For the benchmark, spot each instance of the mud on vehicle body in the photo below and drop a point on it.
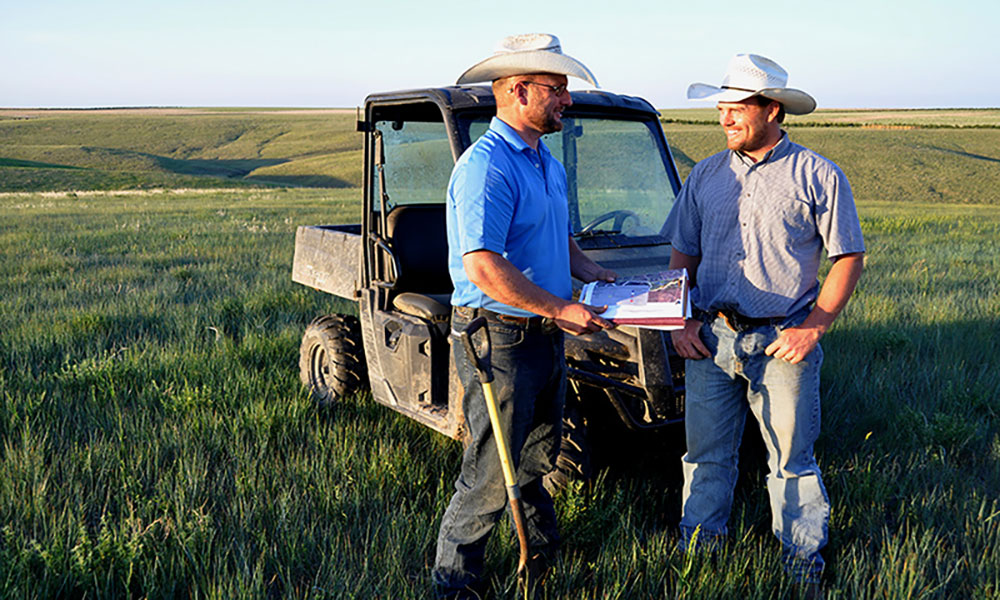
(621, 185)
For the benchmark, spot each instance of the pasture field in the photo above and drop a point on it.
(177, 148)
(905, 118)
(937, 165)
(911, 155)
(155, 441)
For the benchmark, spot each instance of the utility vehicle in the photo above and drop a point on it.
(622, 182)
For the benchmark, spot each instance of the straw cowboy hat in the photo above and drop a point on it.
(753, 75)
(524, 54)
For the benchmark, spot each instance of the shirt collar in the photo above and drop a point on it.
(513, 138)
(780, 149)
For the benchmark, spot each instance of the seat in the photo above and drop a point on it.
(419, 242)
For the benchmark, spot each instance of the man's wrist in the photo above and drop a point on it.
(818, 320)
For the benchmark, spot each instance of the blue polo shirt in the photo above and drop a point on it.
(510, 199)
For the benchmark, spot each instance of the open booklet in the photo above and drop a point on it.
(655, 300)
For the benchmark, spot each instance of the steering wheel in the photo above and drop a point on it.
(619, 216)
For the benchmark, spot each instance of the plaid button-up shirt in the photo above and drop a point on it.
(760, 228)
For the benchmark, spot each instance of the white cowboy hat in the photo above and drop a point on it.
(752, 75)
(524, 54)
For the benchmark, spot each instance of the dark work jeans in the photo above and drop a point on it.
(529, 370)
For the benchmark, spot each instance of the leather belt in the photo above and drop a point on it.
(734, 320)
(740, 323)
(535, 322)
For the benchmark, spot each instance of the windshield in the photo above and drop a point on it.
(417, 162)
(618, 187)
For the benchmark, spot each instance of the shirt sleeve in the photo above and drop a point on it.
(484, 206)
(837, 218)
(683, 226)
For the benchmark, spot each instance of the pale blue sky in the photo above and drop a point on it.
(851, 53)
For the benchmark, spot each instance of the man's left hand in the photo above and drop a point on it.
(794, 344)
(578, 319)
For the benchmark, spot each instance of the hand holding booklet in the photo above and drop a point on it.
(655, 300)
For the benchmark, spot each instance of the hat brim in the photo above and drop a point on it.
(523, 63)
(796, 102)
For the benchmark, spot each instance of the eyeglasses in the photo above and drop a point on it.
(556, 89)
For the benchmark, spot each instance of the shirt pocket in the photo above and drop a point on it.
(797, 218)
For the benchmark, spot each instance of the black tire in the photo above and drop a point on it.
(573, 462)
(332, 358)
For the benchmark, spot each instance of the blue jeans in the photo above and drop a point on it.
(529, 370)
(784, 398)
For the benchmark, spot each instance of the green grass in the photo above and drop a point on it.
(155, 440)
(953, 166)
(861, 117)
(900, 155)
(921, 156)
(177, 148)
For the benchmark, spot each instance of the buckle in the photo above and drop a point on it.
(466, 312)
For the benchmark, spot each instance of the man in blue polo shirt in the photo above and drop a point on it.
(751, 224)
(511, 259)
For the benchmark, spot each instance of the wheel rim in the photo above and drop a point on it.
(319, 368)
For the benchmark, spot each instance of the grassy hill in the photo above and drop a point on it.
(900, 118)
(946, 156)
(948, 165)
(950, 156)
(203, 148)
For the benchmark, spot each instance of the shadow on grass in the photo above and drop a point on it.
(235, 169)
(229, 168)
(965, 154)
(128, 168)
(31, 164)
(681, 158)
